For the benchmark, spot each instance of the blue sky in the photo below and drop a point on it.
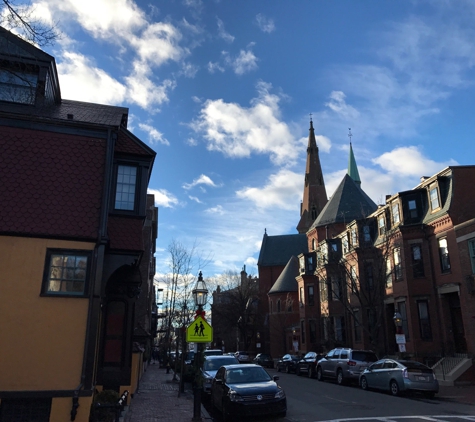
(223, 90)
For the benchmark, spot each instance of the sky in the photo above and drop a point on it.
(224, 90)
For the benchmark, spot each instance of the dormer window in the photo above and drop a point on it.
(17, 85)
(126, 187)
(381, 225)
(434, 197)
(412, 208)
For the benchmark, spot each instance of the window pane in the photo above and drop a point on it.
(125, 188)
(434, 198)
(67, 274)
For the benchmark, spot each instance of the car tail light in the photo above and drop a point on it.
(405, 374)
(351, 363)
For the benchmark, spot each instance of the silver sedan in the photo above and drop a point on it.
(400, 376)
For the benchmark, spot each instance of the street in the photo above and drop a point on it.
(310, 400)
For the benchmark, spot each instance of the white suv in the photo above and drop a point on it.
(242, 357)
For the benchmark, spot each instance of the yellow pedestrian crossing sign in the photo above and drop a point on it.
(199, 331)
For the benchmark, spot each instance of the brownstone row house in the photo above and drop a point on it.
(413, 255)
(77, 244)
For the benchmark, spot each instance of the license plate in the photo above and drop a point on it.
(421, 379)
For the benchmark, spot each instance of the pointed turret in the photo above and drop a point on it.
(352, 168)
(314, 192)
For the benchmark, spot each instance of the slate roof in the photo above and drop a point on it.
(348, 203)
(125, 233)
(286, 281)
(128, 143)
(80, 111)
(276, 250)
(47, 192)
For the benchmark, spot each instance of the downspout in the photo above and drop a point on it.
(89, 361)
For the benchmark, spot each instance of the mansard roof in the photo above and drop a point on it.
(286, 281)
(348, 203)
(276, 250)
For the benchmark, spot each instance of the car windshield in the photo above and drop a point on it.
(247, 375)
(364, 356)
(215, 364)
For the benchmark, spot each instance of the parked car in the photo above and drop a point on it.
(400, 376)
(344, 364)
(287, 363)
(211, 365)
(213, 352)
(242, 357)
(247, 390)
(264, 360)
(308, 364)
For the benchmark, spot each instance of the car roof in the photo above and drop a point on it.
(241, 365)
(212, 357)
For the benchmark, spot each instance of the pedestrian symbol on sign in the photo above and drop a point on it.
(199, 331)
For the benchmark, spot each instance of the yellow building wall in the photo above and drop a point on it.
(42, 338)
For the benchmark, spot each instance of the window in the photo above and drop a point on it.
(339, 327)
(411, 204)
(301, 297)
(323, 291)
(354, 237)
(356, 325)
(353, 280)
(366, 234)
(125, 188)
(424, 320)
(302, 331)
(312, 326)
(397, 264)
(66, 272)
(278, 306)
(369, 275)
(471, 251)
(395, 211)
(18, 86)
(434, 197)
(314, 244)
(381, 225)
(310, 263)
(311, 297)
(389, 275)
(336, 288)
(289, 304)
(417, 263)
(444, 255)
(345, 245)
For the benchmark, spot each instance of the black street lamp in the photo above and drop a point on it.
(397, 318)
(200, 294)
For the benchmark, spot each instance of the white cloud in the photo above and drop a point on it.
(154, 135)
(164, 198)
(283, 190)
(81, 80)
(222, 32)
(218, 209)
(323, 143)
(265, 24)
(245, 62)
(189, 70)
(194, 198)
(213, 67)
(239, 132)
(202, 180)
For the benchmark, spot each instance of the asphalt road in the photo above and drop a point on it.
(309, 400)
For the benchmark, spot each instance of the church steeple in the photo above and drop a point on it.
(314, 192)
(352, 168)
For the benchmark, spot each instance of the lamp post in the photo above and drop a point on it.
(200, 293)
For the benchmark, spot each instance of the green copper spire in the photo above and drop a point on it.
(352, 168)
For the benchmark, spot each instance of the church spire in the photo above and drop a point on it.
(352, 168)
(314, 192)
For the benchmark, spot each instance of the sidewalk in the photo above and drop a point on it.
(157, 399)
(460, 394)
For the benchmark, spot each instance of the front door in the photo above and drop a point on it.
(457, 328)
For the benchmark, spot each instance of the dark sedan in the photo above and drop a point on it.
(287, 363)
(264, 360)
(247, 390)
(307, 364)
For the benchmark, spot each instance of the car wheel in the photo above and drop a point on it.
(287, 369)
(364, 383)
(339, 377)
(394, 388)
(319, 374)
(310, 372)
(429, 394)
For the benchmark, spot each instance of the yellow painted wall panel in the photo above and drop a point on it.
(42, 338)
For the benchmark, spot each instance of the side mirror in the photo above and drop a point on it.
(275, 378)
